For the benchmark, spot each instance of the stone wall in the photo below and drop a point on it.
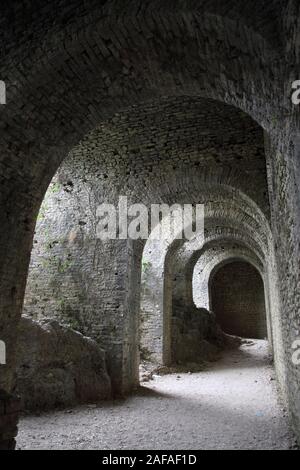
(285, 197)
(152, 334)
(69, 67)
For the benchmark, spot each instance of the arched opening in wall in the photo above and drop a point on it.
(96, 291)
(84, 345)
(237, 298)
(69, 208)
(155, 300)
(63, 355)
(70, 72)
(152, 311)
(95, 287)
(235, 209)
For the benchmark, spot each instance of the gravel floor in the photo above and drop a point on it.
(232, 405)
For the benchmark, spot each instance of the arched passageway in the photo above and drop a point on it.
(186, 102)
(237, 299)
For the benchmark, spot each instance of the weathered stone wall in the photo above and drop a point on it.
(285, 196)
(74, 277)
(69, 67)
(238, 300)
(152, 314)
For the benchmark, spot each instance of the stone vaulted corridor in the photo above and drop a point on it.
(150, 224)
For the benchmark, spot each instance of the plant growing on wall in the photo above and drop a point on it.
(146, 266)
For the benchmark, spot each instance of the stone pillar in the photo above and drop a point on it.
(9, 411)
(283, 152)
(16, 233)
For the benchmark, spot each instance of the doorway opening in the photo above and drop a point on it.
(237, 298)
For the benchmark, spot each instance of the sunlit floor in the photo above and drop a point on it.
(231, 405)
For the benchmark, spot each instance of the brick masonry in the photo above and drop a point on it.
(72, 67)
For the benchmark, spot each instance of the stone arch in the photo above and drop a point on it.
(259, 252)
(223, 251)
(203, 271)
(249, 318)
(99, 157)
(50, 70)
(34, 143)
(158, 282)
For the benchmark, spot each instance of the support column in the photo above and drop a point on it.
(9, 411)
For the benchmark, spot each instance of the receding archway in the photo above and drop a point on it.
(237, 299)
(91, 67)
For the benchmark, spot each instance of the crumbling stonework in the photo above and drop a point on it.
(197, 337)
(58, 367)
(95, 77)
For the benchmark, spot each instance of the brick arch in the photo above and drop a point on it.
(240, 308)
(263, 256)
(157, 281)
(78, 87)
(219, 254)
(223, 251)
(189, 255)
(53, 73)
(64, 80)
(99, 169)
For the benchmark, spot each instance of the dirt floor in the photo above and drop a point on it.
(231, 405)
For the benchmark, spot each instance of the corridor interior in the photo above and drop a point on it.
(131, 342)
